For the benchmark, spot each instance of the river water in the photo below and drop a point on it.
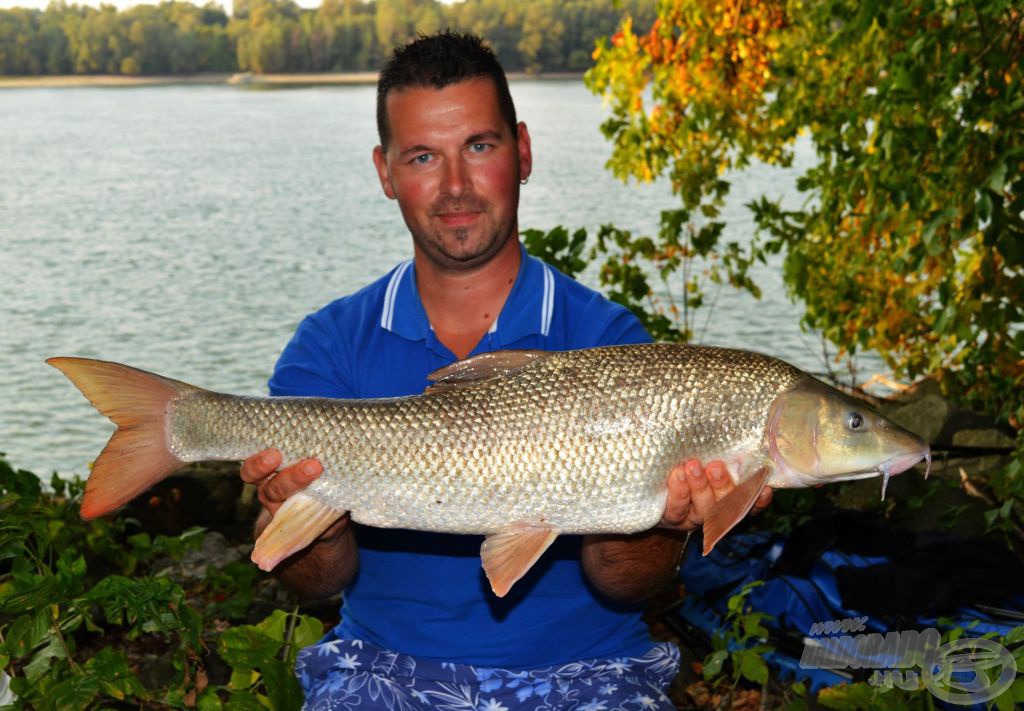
(186, 230)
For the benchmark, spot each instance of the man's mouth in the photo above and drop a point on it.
(458, 219)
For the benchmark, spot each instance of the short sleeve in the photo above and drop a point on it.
(311, 363)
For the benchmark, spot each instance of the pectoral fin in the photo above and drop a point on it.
(731, 509)
(295, 525)
(508, 555)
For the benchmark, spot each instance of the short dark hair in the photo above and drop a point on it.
(438, 61)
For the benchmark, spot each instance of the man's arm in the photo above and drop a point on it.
(329, 563)
(633, 567)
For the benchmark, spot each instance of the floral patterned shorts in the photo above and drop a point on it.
(353, 674)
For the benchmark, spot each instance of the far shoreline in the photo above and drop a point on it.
(241, 79)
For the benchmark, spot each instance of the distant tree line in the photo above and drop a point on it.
(279, 36)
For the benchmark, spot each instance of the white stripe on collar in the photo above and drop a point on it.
(548, 302)
(387, 315)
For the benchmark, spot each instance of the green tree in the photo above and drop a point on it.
(265, 38)
(395, 22)
(540, 41)
(912, 244)
(277, 35)
(911, 241)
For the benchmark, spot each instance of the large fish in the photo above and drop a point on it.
(520, 446)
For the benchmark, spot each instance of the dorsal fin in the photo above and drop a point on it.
(483, 367)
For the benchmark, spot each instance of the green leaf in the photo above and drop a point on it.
(713, 664)
(307, 632)
(274, 625)
(752, 666)
(246, 646)
(243, 677)
(209, 701)
(752, 626)
(282, 687)
(70, 573)
(1012, 637)
(146, 604)
(1005, 702)
(28, 632)
(247, 701)
(43, 659)
(116, 679)
(73, 694)
(28, 593)
(997, 178)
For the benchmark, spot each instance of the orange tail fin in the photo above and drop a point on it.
(136, 456)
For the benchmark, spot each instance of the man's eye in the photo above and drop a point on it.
(422, 159)
(479, 147)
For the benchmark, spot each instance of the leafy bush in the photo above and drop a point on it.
(909, 240)
(83, 602)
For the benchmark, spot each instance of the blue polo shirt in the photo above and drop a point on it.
(425, 594)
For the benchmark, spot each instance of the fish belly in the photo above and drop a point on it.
(400, 464)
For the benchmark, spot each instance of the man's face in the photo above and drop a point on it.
(454, 165)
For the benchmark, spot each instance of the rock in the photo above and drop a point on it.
(975, 466)
(157, 671)
(925, 416)
(216, 550)
(982, 438)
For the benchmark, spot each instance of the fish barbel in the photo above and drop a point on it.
(519, 446)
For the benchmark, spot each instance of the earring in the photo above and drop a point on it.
(525, 180)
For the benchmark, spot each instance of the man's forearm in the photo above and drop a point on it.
(323, 568)
(632, 567)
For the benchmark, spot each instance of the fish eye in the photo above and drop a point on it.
(855, 421)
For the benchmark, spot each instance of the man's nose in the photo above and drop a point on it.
(456, 178)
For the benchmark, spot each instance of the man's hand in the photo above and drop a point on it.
(693, 490)
(328, 563)
(274, 487)
(633, 567)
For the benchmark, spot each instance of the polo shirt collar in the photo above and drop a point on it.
(527, 311)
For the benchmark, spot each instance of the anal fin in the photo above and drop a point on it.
(731, 509)
(295, 525)
(508, 555)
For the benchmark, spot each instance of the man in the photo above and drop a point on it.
(420, 626)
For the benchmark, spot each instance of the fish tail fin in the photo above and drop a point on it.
(136, 456)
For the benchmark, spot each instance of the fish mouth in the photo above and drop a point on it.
(901, 463)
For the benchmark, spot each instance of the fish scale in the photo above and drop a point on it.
(520, 446)
(582, 439)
